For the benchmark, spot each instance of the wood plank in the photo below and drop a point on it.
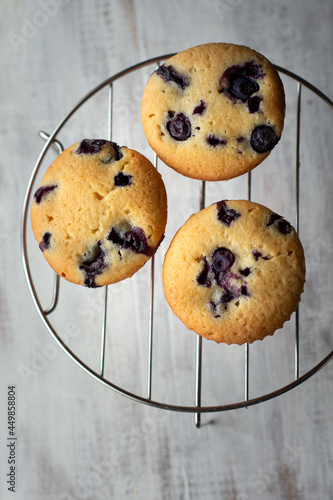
(77, 439)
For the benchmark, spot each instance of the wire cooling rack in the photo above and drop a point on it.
(45, 313)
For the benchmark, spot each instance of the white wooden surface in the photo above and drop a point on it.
(77, 439)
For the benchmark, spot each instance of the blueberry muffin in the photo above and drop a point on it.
(234, 272)
(214, 111)
(100, 213)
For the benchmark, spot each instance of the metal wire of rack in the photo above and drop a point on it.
(197, 409)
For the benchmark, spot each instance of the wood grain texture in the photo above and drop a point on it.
(77, 439)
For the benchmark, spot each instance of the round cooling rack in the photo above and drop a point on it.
(197, 408)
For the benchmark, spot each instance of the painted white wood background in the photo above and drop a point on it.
(77, 439)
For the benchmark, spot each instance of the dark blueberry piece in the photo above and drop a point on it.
(93, 146)
(240, 139)
(116, 237)
(117, 150)
(134, 239)
(226, 215)
(93, 264)
(243, 87)
(250, 69)
(121, 180)
(230, 74)
(227, 297)
(215, 141)
(239, 82)
(254, 103)
(253, 69)
(42, 192)
(213, 307)
(45, 243)
(273, 218)
(169, 74)
(263, 139)
(199, 110)
(245, 272)
(90, 146)
(179, 127)
(256, 254)
(244, 290)
(203, 279)
(115, 153)
(284, 226)
(223, 259)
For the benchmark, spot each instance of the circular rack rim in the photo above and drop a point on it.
(43, 314)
